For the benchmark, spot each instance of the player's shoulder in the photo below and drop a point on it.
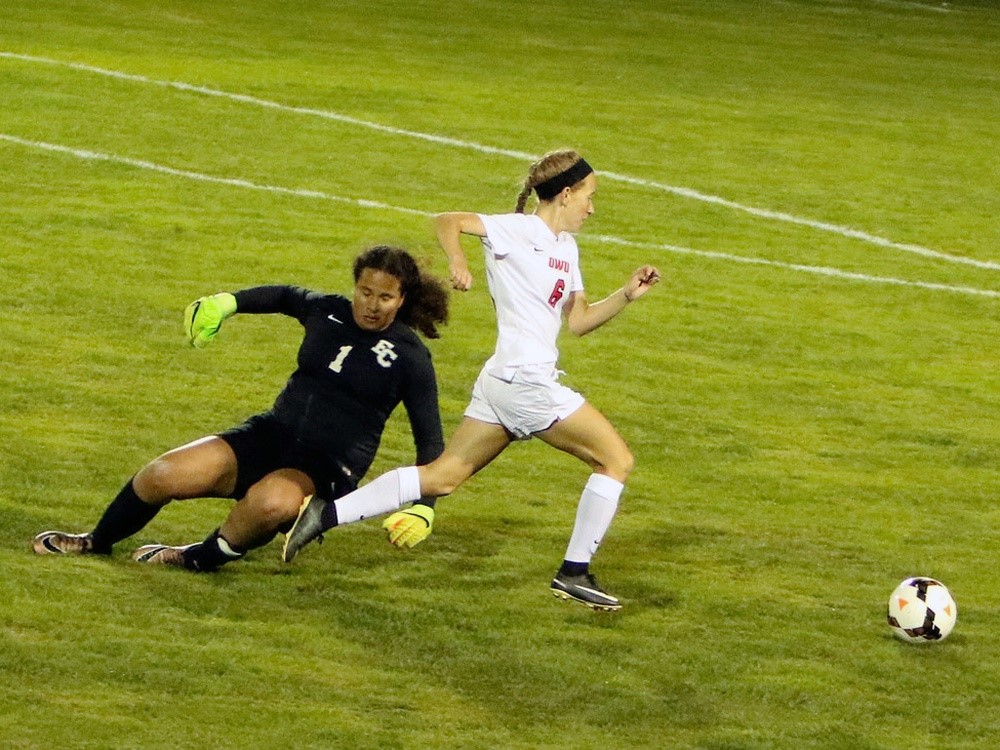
(327, 302)
(402, 335)
(510, 222)
(406, 341)
(507, 232)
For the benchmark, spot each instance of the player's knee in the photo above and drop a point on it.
(272, 507)
(156, 482)
(441, 478)
(620, 464)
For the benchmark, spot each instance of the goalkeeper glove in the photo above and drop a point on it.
(408, 528)
(204, 316)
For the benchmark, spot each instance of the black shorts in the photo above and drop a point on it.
(262, 444)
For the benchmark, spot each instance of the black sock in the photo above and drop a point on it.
(574, 568)
(126, 515)
(329, 514)
(209, 555)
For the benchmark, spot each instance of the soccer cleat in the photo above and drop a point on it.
(61, 543)
(584, 589)
(162, 554)
(308, 526)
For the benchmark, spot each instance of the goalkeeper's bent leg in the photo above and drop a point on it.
(124, 516)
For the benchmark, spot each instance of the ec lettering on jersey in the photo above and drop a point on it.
(384, 353)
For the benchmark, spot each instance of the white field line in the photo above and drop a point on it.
(817, 270)
(364, 203)
(188, 174)
(942, 8)
(763, 213)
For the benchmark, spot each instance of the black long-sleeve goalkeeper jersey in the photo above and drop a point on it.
(350, 380)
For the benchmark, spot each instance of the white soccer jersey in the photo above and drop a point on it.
(530, 273)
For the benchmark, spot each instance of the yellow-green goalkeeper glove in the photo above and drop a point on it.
(408, 528)
(204, 316)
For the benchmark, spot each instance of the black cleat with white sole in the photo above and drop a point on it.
(584, 589)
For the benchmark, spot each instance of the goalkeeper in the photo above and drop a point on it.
(360, 357)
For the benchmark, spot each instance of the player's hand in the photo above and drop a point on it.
(204, 316)
(640, 282)
(408, 528)
(460, 277)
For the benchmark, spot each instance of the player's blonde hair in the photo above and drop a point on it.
(550, 165)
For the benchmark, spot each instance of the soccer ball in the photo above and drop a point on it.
(921, 610)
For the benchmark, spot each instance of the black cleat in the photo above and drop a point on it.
(308, 526)
(584, 589)
(61, 543)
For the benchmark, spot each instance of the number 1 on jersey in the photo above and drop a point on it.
(338, 364)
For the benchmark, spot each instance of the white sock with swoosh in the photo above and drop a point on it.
(594, 513)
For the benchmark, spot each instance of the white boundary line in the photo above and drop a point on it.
(823, 226)
(818, 270)
(363, 203)
(942, 8)
(80, 153)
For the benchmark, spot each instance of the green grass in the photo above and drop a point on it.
(804, 441)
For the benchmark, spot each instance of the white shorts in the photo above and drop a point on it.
(532, 401)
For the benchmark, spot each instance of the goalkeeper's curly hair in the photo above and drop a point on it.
(425, 304)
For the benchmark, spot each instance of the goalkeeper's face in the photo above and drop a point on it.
(377, 298)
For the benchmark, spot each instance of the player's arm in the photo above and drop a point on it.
(204, 317)
(583, 317)
(293, 301)
(449, 229)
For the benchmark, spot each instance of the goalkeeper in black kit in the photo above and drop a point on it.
(359, 359)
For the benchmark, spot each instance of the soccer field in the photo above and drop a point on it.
(812, 393)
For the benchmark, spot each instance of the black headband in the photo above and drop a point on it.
(554, 185)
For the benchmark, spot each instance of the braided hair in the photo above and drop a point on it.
(550, 165)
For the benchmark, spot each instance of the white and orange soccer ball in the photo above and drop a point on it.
(922, 610)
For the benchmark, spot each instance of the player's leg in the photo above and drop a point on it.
(205, 467)
(270, 505)
(473, 446)
(588, 435)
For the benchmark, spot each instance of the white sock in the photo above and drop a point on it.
(597, 507)
(381, 495)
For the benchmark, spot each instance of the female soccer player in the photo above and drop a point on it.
(533, 273)
(359, 358)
